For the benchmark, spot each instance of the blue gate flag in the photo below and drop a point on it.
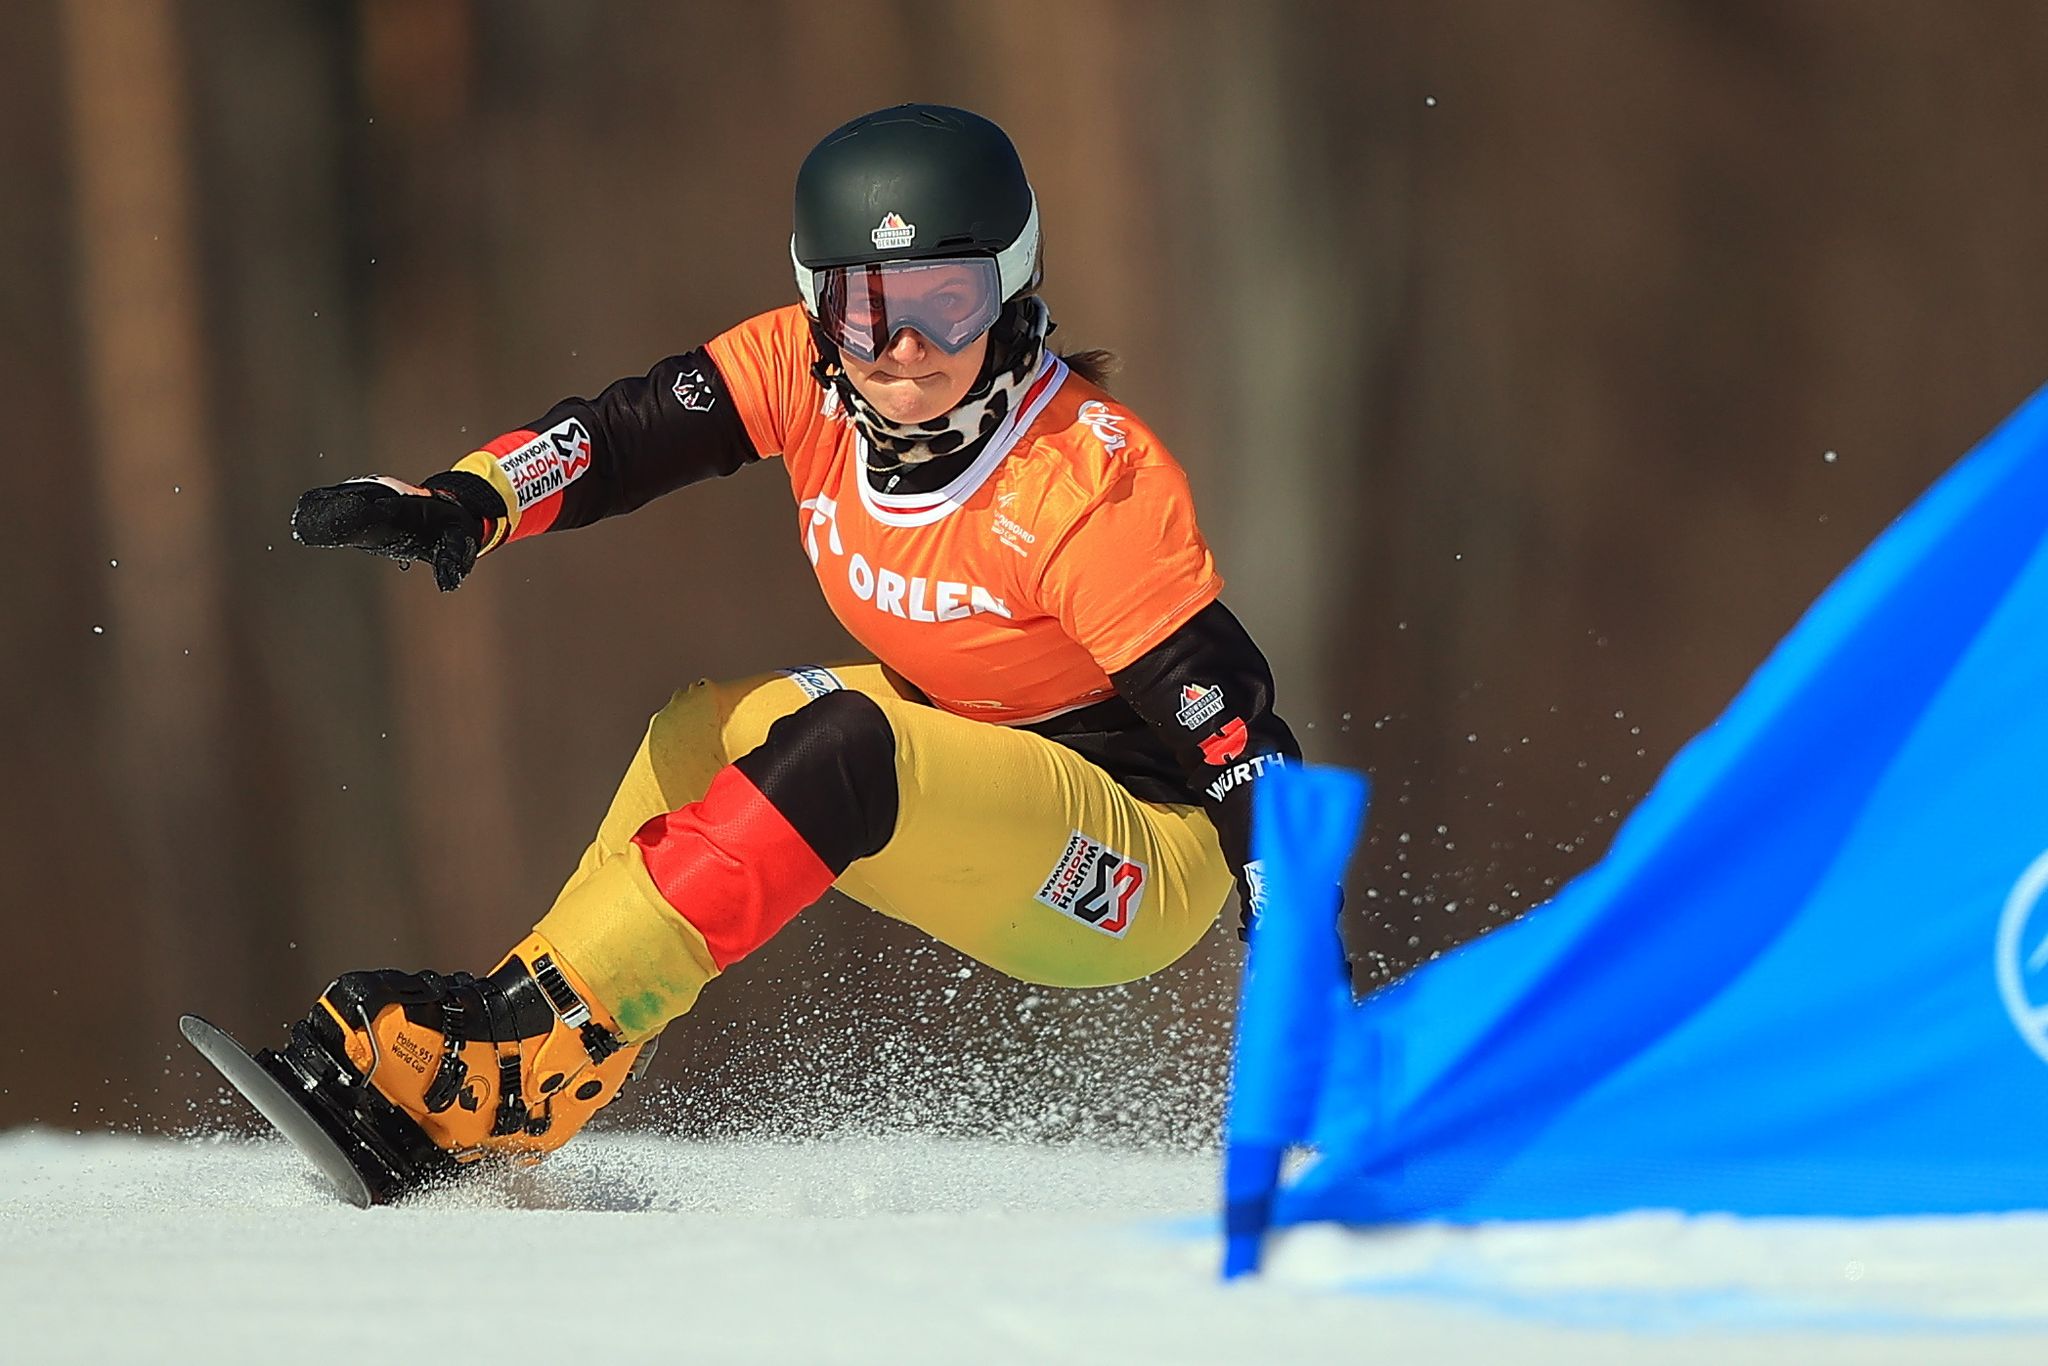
(1305, 822)
(1811, 975)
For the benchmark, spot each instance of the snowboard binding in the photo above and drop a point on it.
(398, 1080)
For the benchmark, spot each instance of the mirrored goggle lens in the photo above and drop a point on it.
(949, 302)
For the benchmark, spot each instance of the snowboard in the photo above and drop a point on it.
(364, 1148)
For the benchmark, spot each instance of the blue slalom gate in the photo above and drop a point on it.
(1809, 978)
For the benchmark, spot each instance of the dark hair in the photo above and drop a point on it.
(1094, 365)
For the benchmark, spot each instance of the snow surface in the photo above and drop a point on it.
(910, 1249)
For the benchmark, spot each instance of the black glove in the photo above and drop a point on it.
(1251, 906)
(447, 522)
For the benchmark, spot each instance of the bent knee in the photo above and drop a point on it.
(743, 710)
(725, 717)
(830, 768)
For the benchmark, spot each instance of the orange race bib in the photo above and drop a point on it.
(1065, 551)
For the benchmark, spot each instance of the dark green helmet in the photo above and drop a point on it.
(914, 182)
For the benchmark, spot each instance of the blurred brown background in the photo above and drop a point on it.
(1535, 365)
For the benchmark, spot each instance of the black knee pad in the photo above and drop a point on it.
(830, 769)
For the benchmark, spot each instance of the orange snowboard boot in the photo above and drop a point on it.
(426, 1072)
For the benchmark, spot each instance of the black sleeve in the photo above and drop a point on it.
(642, 437)
(1208, 693)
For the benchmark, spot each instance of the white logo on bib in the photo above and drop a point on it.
(1098, 418)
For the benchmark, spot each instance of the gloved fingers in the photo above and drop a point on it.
(403, 521)
(359, 513)
(454, 556)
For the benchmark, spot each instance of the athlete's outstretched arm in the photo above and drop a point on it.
(583, 460)
(586, 459)
(1207, 691)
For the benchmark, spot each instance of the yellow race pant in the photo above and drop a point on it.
(1011, 848)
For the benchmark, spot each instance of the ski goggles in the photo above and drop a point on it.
(948, 301)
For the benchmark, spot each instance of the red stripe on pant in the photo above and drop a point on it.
(732, 866)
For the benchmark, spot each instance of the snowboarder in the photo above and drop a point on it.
(1047, 763)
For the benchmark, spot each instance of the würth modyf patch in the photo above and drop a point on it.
(549, 463)
(1095, 885)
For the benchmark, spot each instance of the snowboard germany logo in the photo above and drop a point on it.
(892, 231)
